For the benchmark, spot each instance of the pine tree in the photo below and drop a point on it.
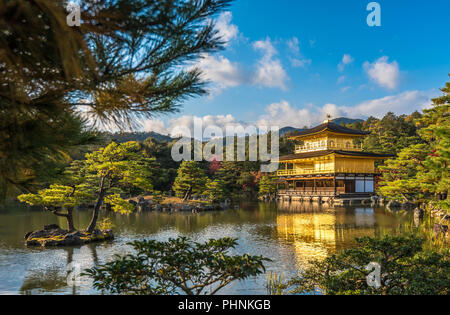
(421, 172)
(57, 198)
(191, 179)
(216, 190)
(436, 131)
(101, 176)
(268, 186)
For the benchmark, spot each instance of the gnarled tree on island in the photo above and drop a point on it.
(98, 179)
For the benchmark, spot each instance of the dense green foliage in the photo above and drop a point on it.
(104, 176)
(389, 134)
(216, 190)
(161, 152)
(268, 186)
(406, 269)
(191, 179)
(421, 171)
(239, 178)
(174, 267)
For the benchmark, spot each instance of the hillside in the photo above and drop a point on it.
(137, 136)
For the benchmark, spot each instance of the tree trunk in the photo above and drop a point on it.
(70, 219)
(188, 195)
(101, 196)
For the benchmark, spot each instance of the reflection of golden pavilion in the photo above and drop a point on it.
(330, 162)
(317, 233)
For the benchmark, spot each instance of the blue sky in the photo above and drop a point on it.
(290, 62)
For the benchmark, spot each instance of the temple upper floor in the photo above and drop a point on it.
(328, 136)
(328, 143)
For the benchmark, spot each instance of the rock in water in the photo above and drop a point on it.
(393, 205)
(53, 236)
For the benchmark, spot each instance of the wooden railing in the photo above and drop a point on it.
(336, 146)
(310, 191)
(303, 172)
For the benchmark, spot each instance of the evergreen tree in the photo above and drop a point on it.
(268, 186)
(399, 175)
(421, 171)
(390, 134)
(436, 122)
(191, 179)
(57, 198)
(102, 176)
(216, 190)
(238, 177)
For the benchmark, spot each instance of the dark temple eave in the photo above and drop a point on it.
(329, 126)
(314, 154)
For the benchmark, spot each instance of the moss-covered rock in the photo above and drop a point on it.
(54, 236)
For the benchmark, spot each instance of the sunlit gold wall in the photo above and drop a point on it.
(354, 165)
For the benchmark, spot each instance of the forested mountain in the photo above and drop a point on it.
(343, 120)
(136, 136)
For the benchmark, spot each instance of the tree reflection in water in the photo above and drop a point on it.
(56, 279)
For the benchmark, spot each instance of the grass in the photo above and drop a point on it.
(275, 284)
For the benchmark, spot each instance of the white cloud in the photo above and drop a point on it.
(221, 72)
(294, 45)
(227, 31)
(298, 61)
(346, 60)
(180, 125)
(403, 103)
(266, 47)
(269, 70)
(155, 126)
(341, 79)
(385, 74)
(283, 114)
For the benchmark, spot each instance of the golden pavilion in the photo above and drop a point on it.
(329, 163)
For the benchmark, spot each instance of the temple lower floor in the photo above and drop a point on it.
(328, 186)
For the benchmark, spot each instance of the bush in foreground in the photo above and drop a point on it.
(406, 269)
(178, 266)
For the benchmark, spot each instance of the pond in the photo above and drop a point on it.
(290, 234)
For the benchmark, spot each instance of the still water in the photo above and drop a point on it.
(290, 234)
